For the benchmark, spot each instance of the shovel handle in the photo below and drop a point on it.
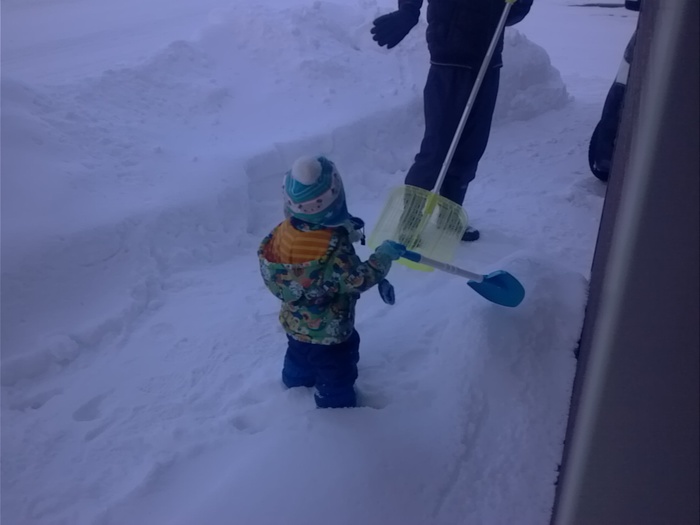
(448, 268)
(498, 287)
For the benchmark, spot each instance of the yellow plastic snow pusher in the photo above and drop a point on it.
(422, 220)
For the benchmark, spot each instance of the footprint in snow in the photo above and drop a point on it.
(162, 331)
(246, 423)
(37, 401)
(99, 429)
(91, 410)
(430, 335)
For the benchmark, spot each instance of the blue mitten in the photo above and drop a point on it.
(392, 249)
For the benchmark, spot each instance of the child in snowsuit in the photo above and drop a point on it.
(309, 263)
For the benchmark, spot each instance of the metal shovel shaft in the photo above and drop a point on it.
(448, 268)
(498, 287)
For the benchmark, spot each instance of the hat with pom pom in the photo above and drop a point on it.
(314, 192)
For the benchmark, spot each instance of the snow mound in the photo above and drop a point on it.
(232, 93)
(530, 84)
(152, 169)
(87, 291)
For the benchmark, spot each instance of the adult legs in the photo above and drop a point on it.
(445, 96)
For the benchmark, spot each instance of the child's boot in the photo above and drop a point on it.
(335, 396)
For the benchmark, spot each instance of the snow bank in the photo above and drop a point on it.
(230, 94)
(530, 85)
(115, 178)
(86, 291)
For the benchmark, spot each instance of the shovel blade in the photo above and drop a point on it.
(500, 287)
(422, 221)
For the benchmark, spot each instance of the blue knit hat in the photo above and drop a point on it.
(314, 192)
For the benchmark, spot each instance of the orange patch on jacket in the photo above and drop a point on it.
(291, 246)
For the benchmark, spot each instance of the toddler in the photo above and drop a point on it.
(309, 263)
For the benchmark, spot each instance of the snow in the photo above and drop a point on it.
(140, 351)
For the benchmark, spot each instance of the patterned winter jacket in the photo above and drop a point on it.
(319, 296)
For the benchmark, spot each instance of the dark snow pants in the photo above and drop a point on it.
(332, 369)
(445, 96)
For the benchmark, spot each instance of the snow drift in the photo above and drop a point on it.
(122, 172)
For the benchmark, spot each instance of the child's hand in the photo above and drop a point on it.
(392, 249)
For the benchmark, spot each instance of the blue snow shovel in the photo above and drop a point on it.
(499, 287)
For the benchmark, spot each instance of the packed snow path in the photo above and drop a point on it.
(141, 353)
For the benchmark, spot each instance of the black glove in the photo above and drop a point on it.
(390, 29)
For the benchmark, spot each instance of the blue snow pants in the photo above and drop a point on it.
(445, 96)
(332, 369)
